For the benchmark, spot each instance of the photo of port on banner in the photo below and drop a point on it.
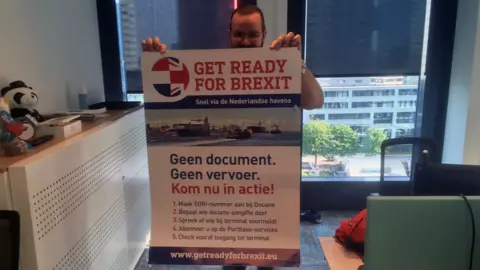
(224, 131)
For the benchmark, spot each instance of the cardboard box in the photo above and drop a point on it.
(63, 131)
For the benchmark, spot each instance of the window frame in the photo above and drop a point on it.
(110, 47)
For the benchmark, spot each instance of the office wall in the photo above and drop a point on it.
(462, 134)
(52, 45)
(275, 12)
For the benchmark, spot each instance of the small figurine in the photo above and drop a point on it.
(10, 131)
(22, 100)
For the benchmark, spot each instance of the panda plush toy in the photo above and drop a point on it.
(22, 100)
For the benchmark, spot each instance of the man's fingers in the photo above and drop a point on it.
(163, 48)
(281, 40)
(278, 43)
(297, 38)
(297, 42)
(288, 40)
(154, 44)
(149, 43)
(144, 46)
(274, 44)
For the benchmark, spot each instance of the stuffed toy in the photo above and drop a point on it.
(22, 100)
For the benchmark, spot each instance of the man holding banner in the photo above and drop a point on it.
(247, 30)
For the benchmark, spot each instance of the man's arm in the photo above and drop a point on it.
(312, 92)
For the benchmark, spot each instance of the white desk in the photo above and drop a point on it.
(337, 257)
(84, 202)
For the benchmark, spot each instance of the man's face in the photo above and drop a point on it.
(247, 31)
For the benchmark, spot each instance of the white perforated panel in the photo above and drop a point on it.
(5, 194)
(57, 201)
(87, 201)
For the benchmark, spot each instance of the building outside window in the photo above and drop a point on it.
(348, 116)
(383, 104)
(361, 129)
(407, 104)
(405, 118)
(383, 118)
(335, 94)
(362, 104)
(388, 132)
(372, 93)
(407, 92)
(409, 132)
(336, 105)
(317, 116)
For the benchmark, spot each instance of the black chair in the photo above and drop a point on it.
(436, 179)
(418, 144)
(10, 240)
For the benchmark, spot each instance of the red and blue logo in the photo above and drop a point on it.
(175, 77)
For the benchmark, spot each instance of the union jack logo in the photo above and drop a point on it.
(173, 77)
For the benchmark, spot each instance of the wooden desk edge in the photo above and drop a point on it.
(114, 115)
(336, 256)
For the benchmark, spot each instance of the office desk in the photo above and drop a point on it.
(337, 257)
(84, 202)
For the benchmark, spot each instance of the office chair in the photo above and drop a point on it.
(417, 143)
(10, 243)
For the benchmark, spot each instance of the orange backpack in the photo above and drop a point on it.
(351, 233)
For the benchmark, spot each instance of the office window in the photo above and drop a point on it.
(383, 104)
(335, 94)
(373, 50)
(409, 132)
(361, 129)
(386, 92)
(335, 105)
(362, 93)
(405, 118)
(135, 97)
(362, 104)
(407, 103)
(364, 37)
(388, 132)
(317, 116)
(383, 118)
(407, 92)
(372, 104)
(373, 93)
(180, 24)
(373, 107)
(348, 116)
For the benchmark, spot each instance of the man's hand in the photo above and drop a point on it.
(153, 45)
(312, 93)
(287, 41)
